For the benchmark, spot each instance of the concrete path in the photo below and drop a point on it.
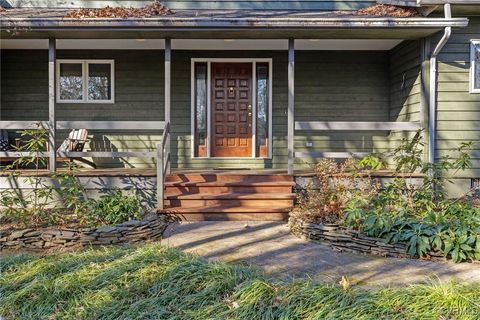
(270, 246)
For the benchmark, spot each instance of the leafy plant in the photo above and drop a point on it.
(33, 206)
(421, 216)
(64, 203)
(116, 207)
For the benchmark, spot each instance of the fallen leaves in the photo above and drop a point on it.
(383, 10)
(154, 9)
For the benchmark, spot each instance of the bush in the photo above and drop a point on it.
(114, 208)
(421, 216)
(323, 199)
(65, 203)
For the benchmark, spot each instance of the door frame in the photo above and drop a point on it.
(209, 62)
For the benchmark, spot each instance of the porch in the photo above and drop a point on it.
(324, 91)
(335, 102)
(339, 98)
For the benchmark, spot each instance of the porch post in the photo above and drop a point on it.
(291, 96)
(168, 61)
(52, 163)
(424, 97)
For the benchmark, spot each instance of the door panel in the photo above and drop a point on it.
(232, 109)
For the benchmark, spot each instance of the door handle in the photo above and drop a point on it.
(249, 107)
(249, 114)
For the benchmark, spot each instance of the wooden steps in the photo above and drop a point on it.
(226, 196)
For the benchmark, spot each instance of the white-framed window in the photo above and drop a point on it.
(85, 81)
(475, 66)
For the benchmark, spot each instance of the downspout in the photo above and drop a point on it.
(432, 109)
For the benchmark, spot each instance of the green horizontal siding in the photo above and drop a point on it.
(329, 86)
(405, 88)
(342, 86)
(139, 88)
(203, 4)
(458, 116)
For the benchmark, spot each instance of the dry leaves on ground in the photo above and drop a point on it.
(383, 10)
(154, 9)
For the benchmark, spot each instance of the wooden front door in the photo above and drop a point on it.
(231, 109)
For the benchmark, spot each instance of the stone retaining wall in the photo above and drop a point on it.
(151, 228)
(344, 239)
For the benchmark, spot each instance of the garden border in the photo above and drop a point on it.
(150, 228)
(344, 239)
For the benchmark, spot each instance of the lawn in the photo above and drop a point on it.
(155, 282)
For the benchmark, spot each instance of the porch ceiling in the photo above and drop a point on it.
(221, 24)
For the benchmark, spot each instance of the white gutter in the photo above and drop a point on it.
(432, 110)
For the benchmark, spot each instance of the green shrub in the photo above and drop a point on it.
(114, 208)
(32, 207)
(65, 203)
(420, 215)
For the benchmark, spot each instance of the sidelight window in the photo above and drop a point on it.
(262, 109)
(200, 115)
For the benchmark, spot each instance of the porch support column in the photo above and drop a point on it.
(52, 163)
(291, 97)
(168, 85)
(424, 96)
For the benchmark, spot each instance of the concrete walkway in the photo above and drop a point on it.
(270, 246)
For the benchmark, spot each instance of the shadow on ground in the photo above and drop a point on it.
(270, 246)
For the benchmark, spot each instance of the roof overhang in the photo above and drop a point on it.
(419, 3)
(231, 24)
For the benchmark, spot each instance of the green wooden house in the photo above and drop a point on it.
(239, 96)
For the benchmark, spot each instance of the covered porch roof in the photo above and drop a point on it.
(211, 24)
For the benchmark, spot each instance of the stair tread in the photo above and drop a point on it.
(223, 209)
(233, 196)
(232, 184)
(255, 216)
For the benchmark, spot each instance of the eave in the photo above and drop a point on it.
(220, 27)
(420, 3)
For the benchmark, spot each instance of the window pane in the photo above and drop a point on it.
(477, 67)
(99, 81)
(200, 109)
(262, 109)
(71, 87)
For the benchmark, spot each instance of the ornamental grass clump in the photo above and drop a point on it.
(155, 282)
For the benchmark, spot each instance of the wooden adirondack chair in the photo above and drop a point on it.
(5, 146)
(75, 143)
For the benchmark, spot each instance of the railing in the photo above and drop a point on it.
(349, 126)
(163, 165)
